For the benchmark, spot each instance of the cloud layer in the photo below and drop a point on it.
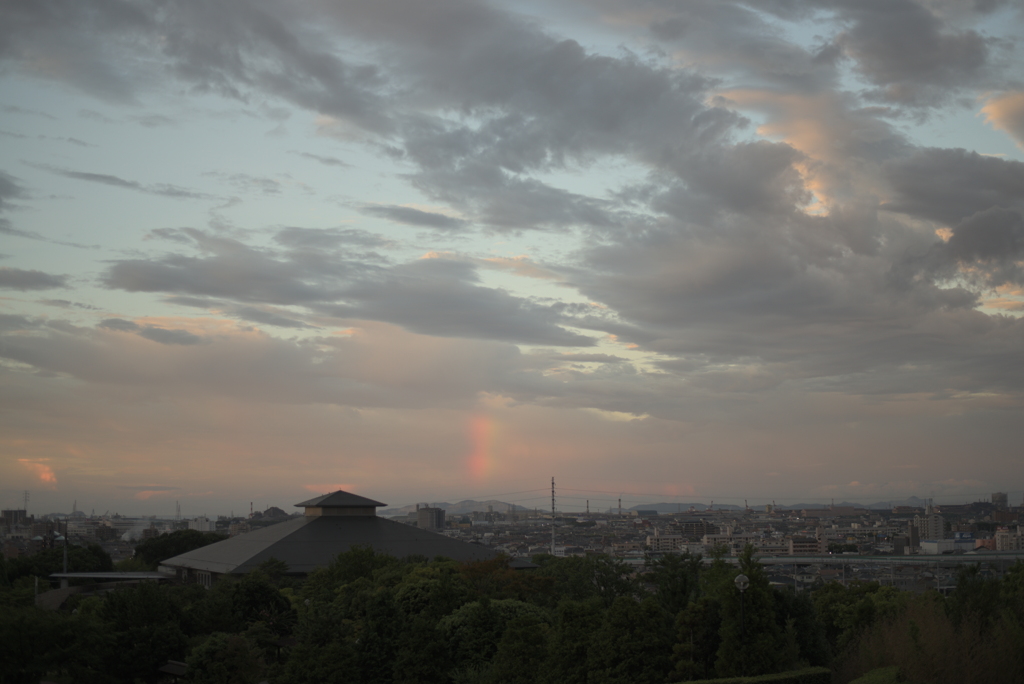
(730, 223)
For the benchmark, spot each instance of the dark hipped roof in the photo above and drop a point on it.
(309, 542)
(340, 499)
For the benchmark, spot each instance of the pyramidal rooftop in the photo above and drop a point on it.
(333, 524)
(340, 503)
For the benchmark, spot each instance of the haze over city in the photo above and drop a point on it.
(430, 251)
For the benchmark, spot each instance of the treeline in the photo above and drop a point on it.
(371, 618)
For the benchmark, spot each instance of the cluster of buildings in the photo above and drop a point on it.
(908, 547)
(22, 534)
(901, 531)
(905, 546)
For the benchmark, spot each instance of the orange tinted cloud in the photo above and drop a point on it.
(1006, 113)
(42, 471)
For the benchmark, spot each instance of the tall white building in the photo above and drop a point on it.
(931, 525)
(203, 524)
(430, 519)
(1007, 540)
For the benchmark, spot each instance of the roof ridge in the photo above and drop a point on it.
(340, 499)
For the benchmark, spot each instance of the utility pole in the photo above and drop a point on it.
(552, 516)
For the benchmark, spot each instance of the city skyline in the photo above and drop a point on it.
(573, 503)
(255, 251)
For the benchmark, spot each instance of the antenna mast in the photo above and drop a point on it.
(552, 516)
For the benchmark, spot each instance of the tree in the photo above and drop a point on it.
(976, 598)
(794, 615)
(145, 624)
(521, 652)
(156, 549)
(255, 599)
(26, 634)
(675, 579)
(633, 645)
(474, 630)
(225, 659)
(697, 639)
(91, 558)
(573, 630)
(580, 578)
(752, 643)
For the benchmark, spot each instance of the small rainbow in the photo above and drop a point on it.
(481, 438)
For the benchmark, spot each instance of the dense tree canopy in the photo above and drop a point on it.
(156, 549)
(372, 618)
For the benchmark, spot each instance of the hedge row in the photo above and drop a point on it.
(809, 675)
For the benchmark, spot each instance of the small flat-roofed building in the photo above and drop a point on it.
(332, 524)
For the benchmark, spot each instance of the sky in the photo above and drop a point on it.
(257, 250)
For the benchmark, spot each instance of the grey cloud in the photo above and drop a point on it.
(908, 51)
(255, 315)
(985, 249)
(437, 297)
(65, 304)
(169, 336)
(323, 159)
(196, 302)
(11, 322)
(119, 324)
(164, 189)
(757, 177)
(94, 116)
(329, 238)
(947, 185)
(153, 333)
(171, 234)
(415, 217)
(992, 235)
(19, 279)
(383, 367)
(153, 120)
(246, 277)
(730, 36)
(591, 358)
(73, 141)
(14, 109)
(9, 189)
(249, 183)
(103, 178)
(63, 31)
(231, 50)
(541, 104)
(432, 296)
